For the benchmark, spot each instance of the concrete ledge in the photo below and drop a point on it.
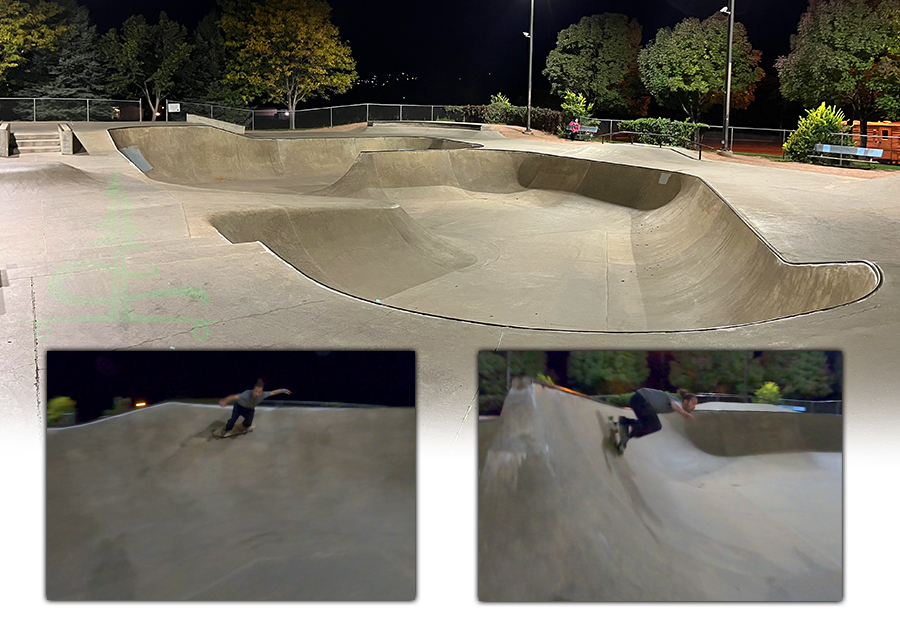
(736, 433)
(430, 124)
(216, 123)
(4, 139)
(66, 139)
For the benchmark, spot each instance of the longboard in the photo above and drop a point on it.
(220, 432)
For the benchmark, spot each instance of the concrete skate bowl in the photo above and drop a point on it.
(314, 504)
(205, 156)
(562, 517)
(543, 242)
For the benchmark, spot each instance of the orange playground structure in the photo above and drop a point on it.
(881, 134)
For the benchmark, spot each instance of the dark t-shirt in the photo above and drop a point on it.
(249, 401)
(659, 400)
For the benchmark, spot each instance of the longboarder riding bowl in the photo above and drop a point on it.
(500, 237)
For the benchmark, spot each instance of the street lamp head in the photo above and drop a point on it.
(724, 10)
(526, 34)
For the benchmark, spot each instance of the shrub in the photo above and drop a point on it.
(500, 111)
(541, 118)
(547, 119)
(664, 132)
(543, 378)
(575, 105)
(818, 127)
(490, 404)
(768, 393)
(61, 411)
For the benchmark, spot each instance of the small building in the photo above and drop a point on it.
(881, 134)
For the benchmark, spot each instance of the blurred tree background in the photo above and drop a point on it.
(800, 375)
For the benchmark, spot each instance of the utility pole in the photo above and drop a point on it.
(726, 137)
(530, 36)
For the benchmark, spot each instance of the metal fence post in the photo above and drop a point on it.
(331, 116)
(210, 111)
(141, 112)
(401, 112)
(367, 113)
(87, 104)
(432, 113)
(34, 109)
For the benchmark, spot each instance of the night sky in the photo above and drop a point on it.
(93, 378)
(465, 51)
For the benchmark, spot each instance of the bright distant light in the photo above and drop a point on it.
(140, 404)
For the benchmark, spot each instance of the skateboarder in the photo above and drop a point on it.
(647, 404)
(245, 405)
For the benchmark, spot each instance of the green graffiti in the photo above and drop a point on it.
(119, 232)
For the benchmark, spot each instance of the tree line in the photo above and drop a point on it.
(845, 52)
(806, 375)
(243, 52)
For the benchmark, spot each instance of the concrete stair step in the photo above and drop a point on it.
(38, 149)
(25, 143)
(20, 136)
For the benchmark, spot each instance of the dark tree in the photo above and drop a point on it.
(799, 374)
(597, 57)
(608, 372)
(846, 52)
(685, 66)
(73, 68)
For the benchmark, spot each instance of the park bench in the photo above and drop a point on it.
(850, 153)
(585, 131)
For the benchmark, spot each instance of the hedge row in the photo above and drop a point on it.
(543, 119)
(663, 132)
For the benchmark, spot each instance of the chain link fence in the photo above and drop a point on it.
(765, 141)
(331, 116)
(179, 110)
(69, 109)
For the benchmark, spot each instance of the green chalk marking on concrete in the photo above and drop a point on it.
(119, 233)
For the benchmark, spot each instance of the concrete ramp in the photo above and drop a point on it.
(314, 504)
(562, 517)
(610, 247)
(369, 250)
(33, 179)
(202, 155)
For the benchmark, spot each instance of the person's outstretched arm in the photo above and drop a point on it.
(277, 391)
(228, 400)
(680, 410)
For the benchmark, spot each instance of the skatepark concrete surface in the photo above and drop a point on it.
(313, 504)
(424, 225)
(732, 506)
(64, 276)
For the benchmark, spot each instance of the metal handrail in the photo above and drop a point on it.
(699, 146)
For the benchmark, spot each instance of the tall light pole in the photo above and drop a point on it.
(530, 36)
(726, 141)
